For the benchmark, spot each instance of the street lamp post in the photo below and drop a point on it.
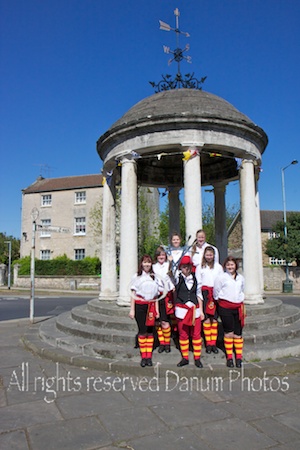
(287, 284)
(9, 262)
(34, 216)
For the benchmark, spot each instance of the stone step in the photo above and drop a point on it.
(288, 314)
(109, 333)
(271, 306)
(109, 351)
(276, 334)
(107, 308)
(65, 323)
(83, 315)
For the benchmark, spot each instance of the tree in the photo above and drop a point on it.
(4, 252)
(164, 224)
(208, 222)
(281, 248)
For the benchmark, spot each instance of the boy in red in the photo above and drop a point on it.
(189, 312)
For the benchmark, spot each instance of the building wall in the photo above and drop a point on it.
(62, 213)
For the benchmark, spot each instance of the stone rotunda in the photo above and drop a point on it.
(181, 138)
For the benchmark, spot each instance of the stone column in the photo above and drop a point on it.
(220, 220)
(251, 239)
(258, 223)
(174, 211)
(192, 196)
(108, 261)
(129, 231)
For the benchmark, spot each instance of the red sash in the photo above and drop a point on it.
(239, 306)
(151, 311)
(211, 306)
(170, 308)
(190, 316)
(151, 314)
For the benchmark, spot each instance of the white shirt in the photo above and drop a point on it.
(228, 288)
(162, 271)
(198, 256)
(207, 275)
(145, 286)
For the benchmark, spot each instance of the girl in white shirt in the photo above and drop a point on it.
(206, 273)
(229, 292)
(143, 307)
(199, 246)
(166, 307)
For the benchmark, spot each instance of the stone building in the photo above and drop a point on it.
(63, 223)
(268, 221)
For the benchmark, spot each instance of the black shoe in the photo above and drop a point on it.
(198, 363)
(149, 362)
(183, 362)
(238, 363)
(143, 362)
(167, 348)
(208, 349)
(229, 363)
(161, 348)
(214, 349)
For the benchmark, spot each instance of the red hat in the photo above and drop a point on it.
(185, 260)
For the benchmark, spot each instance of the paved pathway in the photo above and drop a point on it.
(47, 405)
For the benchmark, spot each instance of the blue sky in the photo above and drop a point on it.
(71, 68)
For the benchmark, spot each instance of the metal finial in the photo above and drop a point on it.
(189, 81)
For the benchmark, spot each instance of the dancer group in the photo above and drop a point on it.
(181, 293)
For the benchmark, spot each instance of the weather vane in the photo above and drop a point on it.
(189, 81)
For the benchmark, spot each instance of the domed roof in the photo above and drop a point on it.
(170, 121)
(183, 103)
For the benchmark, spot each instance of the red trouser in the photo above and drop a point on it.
(186, 331)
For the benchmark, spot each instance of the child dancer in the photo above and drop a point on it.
(189, 312)
(166, 307)
(229, 292)
(199, 246)
(143, 307)
(207, 273)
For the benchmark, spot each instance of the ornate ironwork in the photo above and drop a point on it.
(188, 81)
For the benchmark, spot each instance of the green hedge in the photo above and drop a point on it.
(60, 266)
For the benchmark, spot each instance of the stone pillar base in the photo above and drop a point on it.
(123, 301)
(108, 296)
(254, 299)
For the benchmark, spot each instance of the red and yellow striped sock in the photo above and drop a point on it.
(238, 347)
(160, 335)
(197, 347)
(143, 345)
(149, 345)
(214, 333)
(167, 335)
(228, 343)
(207, 332)
(184, 348)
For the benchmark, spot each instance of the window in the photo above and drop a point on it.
(273, 235)
(80, 197)
(45, 223)
(47, 200)
(45, 254)
(79, 225)
(278, 262)
(79, 253)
